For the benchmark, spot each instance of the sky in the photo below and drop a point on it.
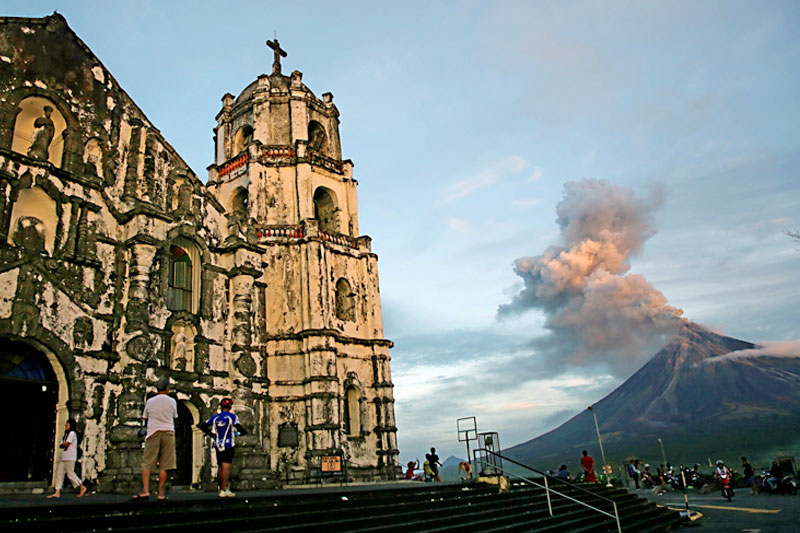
(477, 130)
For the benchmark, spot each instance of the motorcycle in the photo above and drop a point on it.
(785, 485)
(726, 485)
(694, 478)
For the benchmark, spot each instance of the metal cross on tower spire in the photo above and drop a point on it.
(278, 51)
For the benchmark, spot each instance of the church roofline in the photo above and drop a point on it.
(43, 21)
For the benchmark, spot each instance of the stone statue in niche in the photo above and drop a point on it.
(30, 234)
(237, 220)
(184, 197)
(43, 136)
(92, 158)
(182, 347)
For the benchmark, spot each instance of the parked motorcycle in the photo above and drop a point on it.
(785, 485)
(694, 478)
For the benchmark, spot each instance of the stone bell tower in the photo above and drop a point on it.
(305, 294)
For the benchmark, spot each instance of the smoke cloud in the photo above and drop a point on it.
(595, 311)
(786, 349)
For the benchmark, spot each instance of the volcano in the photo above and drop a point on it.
(700, 404)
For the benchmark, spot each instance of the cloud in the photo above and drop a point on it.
(507, 386)
(788, 349)
(459, 225)
(536, 176)
(527, 203)
(489, 176)
(595, 311)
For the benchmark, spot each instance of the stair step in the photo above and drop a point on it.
(423, 508)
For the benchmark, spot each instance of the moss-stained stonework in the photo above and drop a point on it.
(121, 266)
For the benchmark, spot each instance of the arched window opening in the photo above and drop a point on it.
(352, 412)
(239, 203)
(326, 211)
(184, 277)
(33, 221)
(39, 130)
(316, 137)
(345, 301)
(239, 213)
(242, 139)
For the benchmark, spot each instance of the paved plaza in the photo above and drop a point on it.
(763, 513)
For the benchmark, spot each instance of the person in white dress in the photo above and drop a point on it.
(66, 464)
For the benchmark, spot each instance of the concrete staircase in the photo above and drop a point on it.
(406, 507)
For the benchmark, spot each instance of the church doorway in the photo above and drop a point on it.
(188, 445)
(29, 394)
(183, 445)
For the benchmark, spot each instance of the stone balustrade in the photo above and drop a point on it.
(235, 163)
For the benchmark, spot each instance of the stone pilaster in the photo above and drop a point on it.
(124, 452)
(251, 467)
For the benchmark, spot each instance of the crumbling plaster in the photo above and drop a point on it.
(87, 276)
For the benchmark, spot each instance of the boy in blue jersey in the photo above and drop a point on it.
(223, 427)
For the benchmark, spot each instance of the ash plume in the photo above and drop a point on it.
(596, 312)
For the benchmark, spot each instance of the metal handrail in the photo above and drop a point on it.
(548, 489)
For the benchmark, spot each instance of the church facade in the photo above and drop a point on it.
(119, 266)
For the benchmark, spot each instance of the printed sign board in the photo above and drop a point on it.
(331, 463)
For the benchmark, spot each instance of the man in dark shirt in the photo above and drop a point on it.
(775, 475)
(749, 476)
(435, 464)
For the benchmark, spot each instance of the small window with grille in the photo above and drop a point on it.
(180, 280)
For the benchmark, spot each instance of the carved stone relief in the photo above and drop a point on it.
(140, 348)
(83, 332)
(182, 347)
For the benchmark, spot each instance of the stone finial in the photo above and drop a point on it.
(327, 98)
(227, 99)
(297, 78)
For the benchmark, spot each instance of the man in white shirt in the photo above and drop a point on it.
(160, 413)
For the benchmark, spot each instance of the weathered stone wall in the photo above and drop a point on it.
(120, 266)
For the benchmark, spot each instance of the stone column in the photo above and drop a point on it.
(124, 452)
(251, 467)
(132, 170)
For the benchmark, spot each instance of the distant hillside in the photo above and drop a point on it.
(719, 410)
(449, 469)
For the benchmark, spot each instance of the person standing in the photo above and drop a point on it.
(222, 427)
(749, 476)
(587, 463)
(426, 468)
(160, 413)
(66, 465)
(633, 471)
(435, 464)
